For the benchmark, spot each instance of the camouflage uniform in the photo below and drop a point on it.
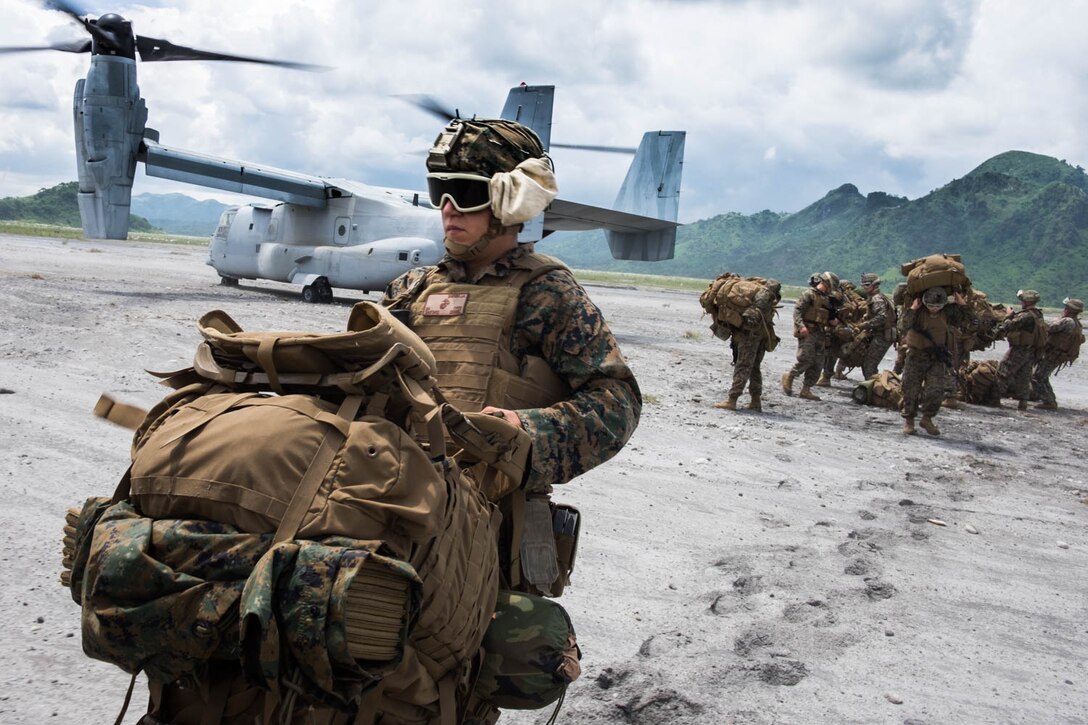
(1048, 362)
(749, 345)
(812, 348)
(877, 313)
(557, 321)
(925, 375)
(1014, 373)
(848, 305)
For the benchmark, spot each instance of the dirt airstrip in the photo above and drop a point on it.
(806, 564)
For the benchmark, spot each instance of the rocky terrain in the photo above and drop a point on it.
(805, 564)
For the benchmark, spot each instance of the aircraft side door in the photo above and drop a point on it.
(341, 231)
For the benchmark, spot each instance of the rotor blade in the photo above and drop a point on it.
(429, 104)
(68, 8)
(586, 147)
(153, 49)
(72, 46)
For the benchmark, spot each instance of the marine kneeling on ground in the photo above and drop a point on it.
(928, 336)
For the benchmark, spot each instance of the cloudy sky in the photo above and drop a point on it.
(782, 100)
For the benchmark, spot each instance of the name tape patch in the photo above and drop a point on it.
(445, 305)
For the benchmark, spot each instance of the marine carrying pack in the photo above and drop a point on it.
(295, 531)
(726, 298)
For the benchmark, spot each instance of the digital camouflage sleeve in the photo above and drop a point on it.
(879, 308)
(558, 322)
(1019, 321)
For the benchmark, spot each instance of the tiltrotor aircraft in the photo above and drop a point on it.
(323, 233)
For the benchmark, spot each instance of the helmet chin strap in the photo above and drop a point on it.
(495, 229)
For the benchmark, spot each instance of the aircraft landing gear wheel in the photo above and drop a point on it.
(324, 290)
(309, 294)
(228, 281)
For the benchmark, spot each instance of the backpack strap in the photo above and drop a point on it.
(315, 473)
(123, 414)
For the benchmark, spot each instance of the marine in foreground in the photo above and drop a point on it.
(310, 530)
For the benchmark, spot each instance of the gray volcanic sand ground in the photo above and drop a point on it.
(735, 567)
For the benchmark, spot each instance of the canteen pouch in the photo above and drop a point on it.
(530, 653)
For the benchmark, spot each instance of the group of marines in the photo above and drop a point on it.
(839, 326)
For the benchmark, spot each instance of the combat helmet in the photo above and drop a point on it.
(935, 298)
(1077, 306)
(869, 279)
(1027, 296)
(775, 288)
(477, 164)
(831, 279)
(483, 147)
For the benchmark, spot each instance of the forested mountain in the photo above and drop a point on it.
(178, 213)
(1019, 220)
(56, 205)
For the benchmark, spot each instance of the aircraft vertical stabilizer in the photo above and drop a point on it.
(532, 106)
(651, 189)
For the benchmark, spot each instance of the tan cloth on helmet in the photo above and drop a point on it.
(519, 195)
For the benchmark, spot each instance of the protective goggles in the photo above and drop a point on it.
(467, 192)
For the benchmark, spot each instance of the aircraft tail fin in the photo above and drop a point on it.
(651, 189)
(531, 106)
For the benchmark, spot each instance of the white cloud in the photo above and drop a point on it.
(782, 101)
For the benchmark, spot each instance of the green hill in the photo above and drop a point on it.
(1019, 220)
(56, 205)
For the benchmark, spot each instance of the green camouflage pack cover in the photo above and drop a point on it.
(531, 653)
(167, 597)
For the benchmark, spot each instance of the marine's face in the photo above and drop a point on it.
(464, 228)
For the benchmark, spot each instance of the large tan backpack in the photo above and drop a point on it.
(291, 440)
(936, 270)
(1064, 349)
(975, 382)
(884, 390)
(726, 298)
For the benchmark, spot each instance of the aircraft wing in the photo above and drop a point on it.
(237, 176)
(570, 216)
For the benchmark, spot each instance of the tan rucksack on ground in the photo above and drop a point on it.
(339, 490)
(884, 390)
(975, 382)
